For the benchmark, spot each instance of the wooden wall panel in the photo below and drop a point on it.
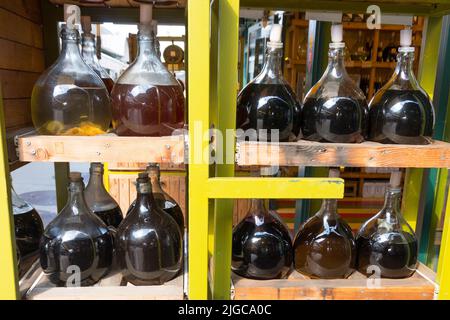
(21, 58)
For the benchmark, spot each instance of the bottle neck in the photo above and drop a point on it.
(96, 181)
(258, 212)
(70, 49)
(391, 208)
(336, 62)
(76, 201)
(404, 73)
(88, 49)
(145, 200)
(272, 67)
(155, 179)
(146, 48)
(329, 208)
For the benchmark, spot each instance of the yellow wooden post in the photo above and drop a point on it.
(198, 100)
(443, 272)
(9, 288)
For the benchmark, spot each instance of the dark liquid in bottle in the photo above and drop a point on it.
(112, 217)
(395, 253)
(28, 232)
(268, 106)
(261, 252)
(169, 207)
(62, 255)
(149, 254)
(147, 110)
(340, 120)
(325, 251)
(109, 84)
(401, 117)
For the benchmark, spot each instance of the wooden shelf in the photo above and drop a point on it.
(364, 175)
(366, 154)
(384, 27)
(298, 287)
(112, 287)
(105, 148)
(370, 64)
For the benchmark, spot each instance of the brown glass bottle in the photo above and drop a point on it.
(76, 241)
(262, 246)
(162, 199)
(324, 246)
(99, 200)
(149, 241)
(147, 100)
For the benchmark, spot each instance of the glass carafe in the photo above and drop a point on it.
(360, 51)
(77, 247)
(387, 246)
(89, 53)
(147, 100)
(28, 231)
(401, 112)
(149, 241)
(335, 109)
(324, 246)
(99, 200)
(268, 102)
(262, 245)
(162, 199)
(69, 98)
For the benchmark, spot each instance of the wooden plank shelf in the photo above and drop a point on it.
(104, 148)
(420, 286)
(366, 154)
(112, 287)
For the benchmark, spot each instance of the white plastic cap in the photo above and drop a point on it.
(396, 179)
(275, 36)
(405, 37)
(337, 36)
(146, 13)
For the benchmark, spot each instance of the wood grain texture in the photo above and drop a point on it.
(17, 113)
(19, 29)
(367, 154)
(112, 287)
(139, 166)
(17, 84)
(29, 9)
(17, 56)
(300, 287)
(105, 148)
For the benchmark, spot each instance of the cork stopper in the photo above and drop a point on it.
(396, 180)
(153, 168)
(75, 177)
(86, 24)
(334, 173)
(146, 13)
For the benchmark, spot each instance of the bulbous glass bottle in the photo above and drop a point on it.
(99, 200)
(262, 245)
(28, 228)
(324, 246)
(69, 98)
(401, 112)
(149, 241)
(88, 52)
(147, 100)
(162, 199)
(76, 242)
(335, 109)
(268, 102)
(386, 243)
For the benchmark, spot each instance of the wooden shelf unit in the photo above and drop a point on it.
(105, 148)
(420, 286)
(366, 154)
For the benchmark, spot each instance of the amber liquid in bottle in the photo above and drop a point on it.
(324, 246)
(147, 110)
(262, 246)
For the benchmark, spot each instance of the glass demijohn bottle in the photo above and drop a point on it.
(69, 98)
(28, 231)
(386, 244)
(268, 102)
(324, 247)
(401, 111)
(88, 51)
(99, 200)
(76, 241)
(147, 100)
(262, 245)
(162, 199)
(335, 109)
(149, 241)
